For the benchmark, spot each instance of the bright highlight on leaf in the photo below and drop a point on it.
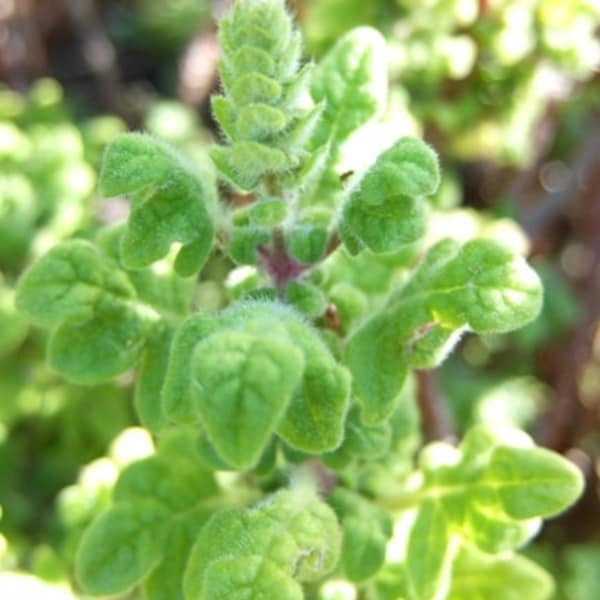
(480, 287)
(491, 495)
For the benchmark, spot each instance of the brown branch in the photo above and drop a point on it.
(436, 422)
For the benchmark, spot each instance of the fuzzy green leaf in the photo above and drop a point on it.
(306, 298)
(64, 284)
(100, 348)
(385, 209)
(242, 386)
(178, 405)
(171, 203)
(261, 112)
(232, 578)
(121, 547)
(314, 421)
(314, 418)
(178, 484)
(293, 533)
(150, 379)
(102, 317)
(166, 581)
(306, 243)
(480, 286)
(352, 81)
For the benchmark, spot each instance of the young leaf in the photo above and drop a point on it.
(261, 114)
(352, 81)
(487, 493)
(385, 210)
(171, 202)
(306, 298)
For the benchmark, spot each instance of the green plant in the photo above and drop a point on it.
(302, 387)
(478, 74)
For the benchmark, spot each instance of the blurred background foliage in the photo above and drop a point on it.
(508, 91)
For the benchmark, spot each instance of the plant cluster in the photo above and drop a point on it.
(288, 460)
(478, 74)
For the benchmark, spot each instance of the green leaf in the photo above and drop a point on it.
(385, 209)
(268, 212)
(367, 530)
(478, 576)
(64, 284)
(176, 484)
(292, 534)
(363, 441)
(242, 386)
(99, 349)
(307, 243)
(378, 366)
(121, 547)
(534, 482)
(314, 421)
(232, 578)
(176, 395)
(429, 554)
(166, 581)
(480, 286)
(352, 80)
(314, 418)
(306, 298)
(151, 375)
(133, 162)
(171, 202)
(244, 242)
(263, 112)
(491, 492)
